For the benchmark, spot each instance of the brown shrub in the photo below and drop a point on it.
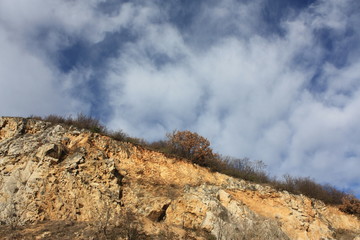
(191, 146)
(350, 204)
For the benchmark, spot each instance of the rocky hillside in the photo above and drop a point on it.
(59, 182)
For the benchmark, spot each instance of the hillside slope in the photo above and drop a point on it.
(61, 182)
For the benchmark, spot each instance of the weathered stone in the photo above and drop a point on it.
(61, 173)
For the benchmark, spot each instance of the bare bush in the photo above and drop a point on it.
(246, 169)
(118, 135)
(308, 187)
(87, 122)
(161, 146)
(80, 121)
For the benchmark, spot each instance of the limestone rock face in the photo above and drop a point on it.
(57, 173)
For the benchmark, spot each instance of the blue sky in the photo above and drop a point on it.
(272, 80)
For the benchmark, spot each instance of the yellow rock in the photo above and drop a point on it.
(57, 173)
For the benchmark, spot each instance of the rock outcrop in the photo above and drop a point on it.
(52, 174)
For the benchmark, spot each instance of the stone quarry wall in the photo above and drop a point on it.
(52, 172)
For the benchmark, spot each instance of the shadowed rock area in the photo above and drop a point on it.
(59, 182)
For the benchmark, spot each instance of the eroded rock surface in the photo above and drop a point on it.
(58, 173)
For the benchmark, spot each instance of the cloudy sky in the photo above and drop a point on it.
(272, 80)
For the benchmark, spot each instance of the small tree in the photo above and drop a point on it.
(191, 146)
(351, 205)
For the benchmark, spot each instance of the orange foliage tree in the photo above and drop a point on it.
(191, 146)
(351, 205)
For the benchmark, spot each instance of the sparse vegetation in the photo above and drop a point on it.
(308, 187)
(80, 121)
(350, 204)
(123, 137)
(246, 169)
(195, 148)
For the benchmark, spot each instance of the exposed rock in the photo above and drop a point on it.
(56, 173)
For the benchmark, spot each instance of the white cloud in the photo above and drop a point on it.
(331, 14)
(31, 34)
(76, 17)
(28, 86)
